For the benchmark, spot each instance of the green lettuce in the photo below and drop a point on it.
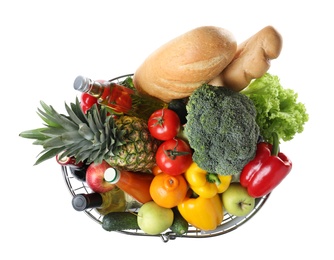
(278, 111)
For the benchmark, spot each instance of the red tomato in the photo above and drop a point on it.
(87, 101)
(164, 124)
(84, 108)
(174, 156)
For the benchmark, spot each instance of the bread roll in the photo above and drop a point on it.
(252, 59)
(183, 64)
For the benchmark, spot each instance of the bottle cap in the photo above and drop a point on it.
(81, 83)
(81, 202)
(112, 175)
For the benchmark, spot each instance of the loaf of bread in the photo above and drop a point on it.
(183, 64)
(252, 59)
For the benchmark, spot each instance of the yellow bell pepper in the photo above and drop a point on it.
(206, 184)
(203, 213)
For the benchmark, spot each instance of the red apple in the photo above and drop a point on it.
(95, 177)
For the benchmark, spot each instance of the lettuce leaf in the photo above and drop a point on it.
(278, 110)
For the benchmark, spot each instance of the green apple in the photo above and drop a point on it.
(237, 201)
(154, 219)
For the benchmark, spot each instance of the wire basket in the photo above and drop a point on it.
(230, 222)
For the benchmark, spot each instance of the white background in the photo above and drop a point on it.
(46, 44)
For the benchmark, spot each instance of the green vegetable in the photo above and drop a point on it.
(128, 82)
(221, 129)
(117, 221)
(277, 108)
(179, 226)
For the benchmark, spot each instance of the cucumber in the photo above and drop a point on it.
(118, 221)
(180, 225)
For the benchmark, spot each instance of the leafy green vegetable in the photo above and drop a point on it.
(128, 82)
(277, 108)
(221, 129)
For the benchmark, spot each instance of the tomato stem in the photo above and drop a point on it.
(159, 119)
(172, 154)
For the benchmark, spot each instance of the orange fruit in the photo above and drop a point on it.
(156, 170)
(168, 191)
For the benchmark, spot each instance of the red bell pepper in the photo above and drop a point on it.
(269, 167)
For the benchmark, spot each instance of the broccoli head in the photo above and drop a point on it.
(221, 129)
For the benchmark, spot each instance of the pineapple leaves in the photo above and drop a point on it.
(85, 131)
(35, 134)
(73, 149)
(95, 156)
(90, 137)
(91, 123)
(53, 119)
(47, 154)
(53, 142)
(75, 112)
(47, 115)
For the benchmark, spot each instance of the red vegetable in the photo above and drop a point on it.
(266, 171)
(87, 101)
(174, 156)
(164, 124)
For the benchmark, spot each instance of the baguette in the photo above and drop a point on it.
(186, 62)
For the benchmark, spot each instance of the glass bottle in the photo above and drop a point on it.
(114, 200)
(120, 99)
(78, 170)
(136, 184)
(79, 173)
(68, 161)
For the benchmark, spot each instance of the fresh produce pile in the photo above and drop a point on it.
(213, 146)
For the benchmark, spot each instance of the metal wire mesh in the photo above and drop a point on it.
(229, 223)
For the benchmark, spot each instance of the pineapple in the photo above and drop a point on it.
(125, 143)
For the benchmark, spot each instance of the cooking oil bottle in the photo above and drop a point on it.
(115, 200)
(118, 98)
